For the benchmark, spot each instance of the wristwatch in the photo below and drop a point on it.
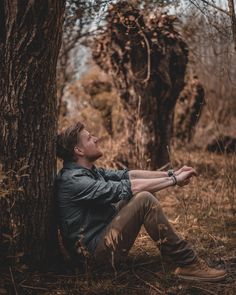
(170, 172)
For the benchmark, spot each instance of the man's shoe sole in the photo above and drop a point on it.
(217, 279)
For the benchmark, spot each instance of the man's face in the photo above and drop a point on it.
(89, 146)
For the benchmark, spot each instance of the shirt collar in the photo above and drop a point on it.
(74, 165)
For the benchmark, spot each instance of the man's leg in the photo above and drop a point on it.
(121, 233)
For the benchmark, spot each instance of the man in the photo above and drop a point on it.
(101, 211)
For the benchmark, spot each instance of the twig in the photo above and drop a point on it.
(79, 36)
(13, 281)
(157, 274)
(34, 288)
(148, 53)
(145, 282)
(144, 263)
(208, 291)
(197, 5)
(120, 275)
(68, 276)
(216, 7)
(168, 151)
(165, 166)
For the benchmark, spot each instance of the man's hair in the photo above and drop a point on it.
(67, 140)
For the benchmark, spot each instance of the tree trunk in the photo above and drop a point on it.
(30, 38)
(188, 110)
(147, 61)
(64, 75)
(233, 20)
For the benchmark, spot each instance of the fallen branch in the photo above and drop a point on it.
(34, 288)
(13, 281)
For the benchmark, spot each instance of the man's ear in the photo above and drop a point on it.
(78, 151)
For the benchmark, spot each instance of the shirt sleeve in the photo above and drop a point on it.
(87, 189)
(115, 175)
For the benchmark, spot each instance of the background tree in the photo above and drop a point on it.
(209, 7)
(147, 60)
(30, 38)
(213, 58)
(81, 22)
(188, 110)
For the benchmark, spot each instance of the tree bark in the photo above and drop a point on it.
(188, 110)
(30, 38)
(147, 60)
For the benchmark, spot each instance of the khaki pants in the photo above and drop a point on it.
(120, 234)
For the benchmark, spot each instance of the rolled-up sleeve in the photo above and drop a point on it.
(115, 175)
(87, 189)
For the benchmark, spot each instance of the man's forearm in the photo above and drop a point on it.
(145, 174)
(150, 185)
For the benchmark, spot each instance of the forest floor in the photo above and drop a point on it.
(203, 212)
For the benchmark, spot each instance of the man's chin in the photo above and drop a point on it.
(97, 156)
(100, 154)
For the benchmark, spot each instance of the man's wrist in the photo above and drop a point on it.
(174, 179)
(171, 174)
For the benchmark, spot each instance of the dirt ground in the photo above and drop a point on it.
(203, 212)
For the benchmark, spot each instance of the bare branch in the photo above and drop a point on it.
(216, 7)
(78, 37)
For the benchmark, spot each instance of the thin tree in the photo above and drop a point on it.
(233, 19)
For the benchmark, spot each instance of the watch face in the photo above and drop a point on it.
(170, 172)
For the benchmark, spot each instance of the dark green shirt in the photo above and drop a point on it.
(86, 200)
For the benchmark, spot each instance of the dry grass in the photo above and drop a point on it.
(203, 212)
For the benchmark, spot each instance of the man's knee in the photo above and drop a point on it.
(146, 197)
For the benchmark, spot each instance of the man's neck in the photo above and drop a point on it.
(85, 163)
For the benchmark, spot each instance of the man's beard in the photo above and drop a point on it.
(93, 158)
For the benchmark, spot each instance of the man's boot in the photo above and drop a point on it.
(200, 271)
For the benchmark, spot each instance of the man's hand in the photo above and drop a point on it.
(184, 174)
(182, 169)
